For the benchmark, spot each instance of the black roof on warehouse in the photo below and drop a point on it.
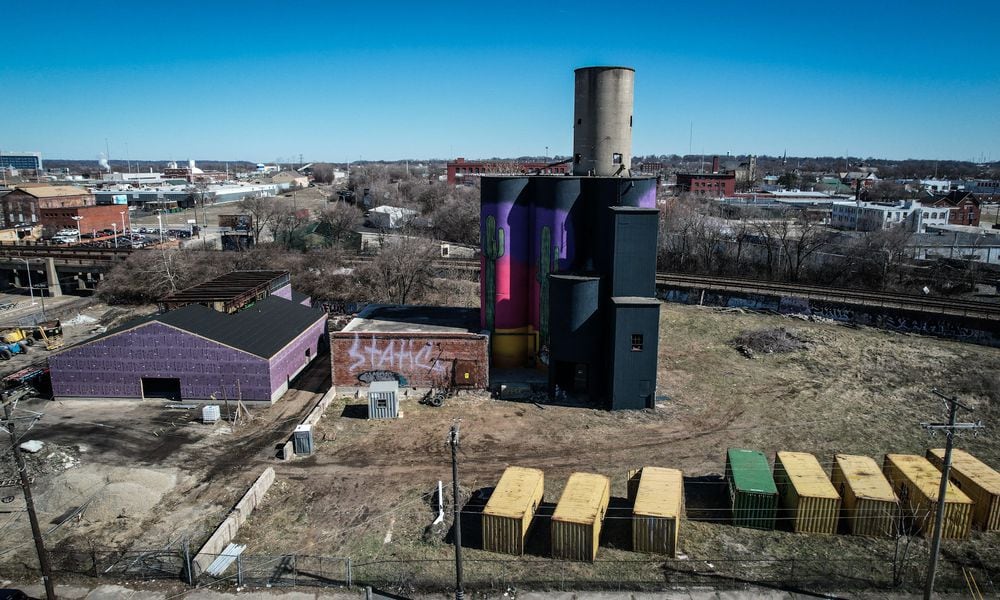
(261, 330)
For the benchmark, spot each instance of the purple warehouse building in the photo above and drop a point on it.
(195, 353)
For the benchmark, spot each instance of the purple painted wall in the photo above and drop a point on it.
(283, 292)
(112, 367)
(292, 358)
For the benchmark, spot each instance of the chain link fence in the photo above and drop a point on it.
(412, 576)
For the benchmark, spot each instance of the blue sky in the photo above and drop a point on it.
(258, 80)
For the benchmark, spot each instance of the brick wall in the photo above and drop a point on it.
(94, 217)
(423, 360)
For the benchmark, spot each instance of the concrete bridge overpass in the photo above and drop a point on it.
(55, 269)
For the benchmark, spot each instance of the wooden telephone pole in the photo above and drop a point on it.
(36, 531)
(949, 430)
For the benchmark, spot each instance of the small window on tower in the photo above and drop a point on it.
(616, 158)
(636, 342)
(579, 121)
(576, 159)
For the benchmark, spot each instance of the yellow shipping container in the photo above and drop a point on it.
(915, 480)
(870, 507)
(805, 495)
(508, 514)
(576, 522)
(656, 515)
(978, 480)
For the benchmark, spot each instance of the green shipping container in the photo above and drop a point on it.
(753, 496)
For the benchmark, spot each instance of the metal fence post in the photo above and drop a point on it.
(187, 562)
(350, 574)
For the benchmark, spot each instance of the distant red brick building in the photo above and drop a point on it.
(24, 204)
(711, 184)
(95, 218)
(965, 207)
(461, 169)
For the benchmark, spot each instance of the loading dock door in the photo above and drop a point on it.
(161, 388)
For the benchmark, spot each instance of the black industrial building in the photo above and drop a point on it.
(569, 262)
(604, 323)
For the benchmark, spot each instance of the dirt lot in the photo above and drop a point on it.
(364, 492)
(121, 475)
(368, 491)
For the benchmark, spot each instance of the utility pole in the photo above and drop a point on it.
(36, 531)
(949, 430)
(453, 442)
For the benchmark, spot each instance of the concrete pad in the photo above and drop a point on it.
(116, 592)
(755, 594)
(545, 596)
(605, 596)
(69, 592)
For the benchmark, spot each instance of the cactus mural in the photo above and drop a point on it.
(493, 248)
(534, 226)
(545, 253)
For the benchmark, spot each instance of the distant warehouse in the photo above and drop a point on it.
(195, 353)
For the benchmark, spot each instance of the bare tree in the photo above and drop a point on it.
(800, 240)
(338, 222)
(402, 269)
(262, 213)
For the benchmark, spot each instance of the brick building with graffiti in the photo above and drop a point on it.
(418, 346)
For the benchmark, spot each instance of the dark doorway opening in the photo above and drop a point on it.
(161, 388)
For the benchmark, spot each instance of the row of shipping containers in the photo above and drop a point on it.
(869, 500)
(579, 515)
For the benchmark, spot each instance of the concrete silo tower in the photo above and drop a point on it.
(602, 121)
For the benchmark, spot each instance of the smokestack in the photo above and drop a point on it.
(715, 164)
(191, 164)
(602, 121)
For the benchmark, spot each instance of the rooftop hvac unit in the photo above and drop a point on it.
(302, 440)
(210, 413)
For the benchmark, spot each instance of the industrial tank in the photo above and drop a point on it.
(602, 121)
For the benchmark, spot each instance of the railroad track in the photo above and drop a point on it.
(926, 304)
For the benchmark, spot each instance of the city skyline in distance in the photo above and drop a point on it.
(254, 81)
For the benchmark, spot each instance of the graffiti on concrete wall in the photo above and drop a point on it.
(396, 355)
(955, 328)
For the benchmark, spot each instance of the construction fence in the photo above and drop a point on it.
(531, 573)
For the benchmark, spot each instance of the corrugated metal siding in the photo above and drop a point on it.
(575, 541)
(869, 505)
(656, 535)
(503, 534)
(656, 515)
(750, 509)
(508, 515)
(632, 477)
(978, 480)
(806, 495)
(912, 477)
(753, 496)
(576, 522)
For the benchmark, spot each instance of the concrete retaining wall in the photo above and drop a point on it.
(225, 532)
